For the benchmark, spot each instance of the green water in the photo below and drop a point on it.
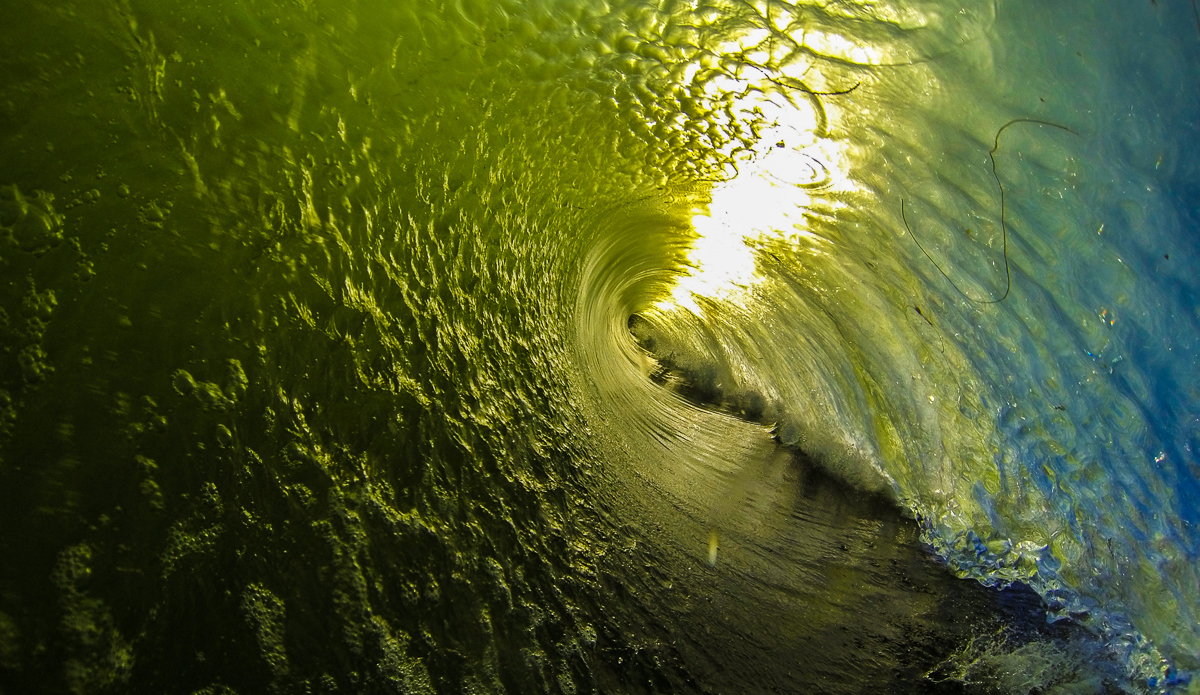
(318, 370)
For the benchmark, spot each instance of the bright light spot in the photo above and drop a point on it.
(781, 18)
(767, 199)
(720, 261)
(721, 84)
(760, 202)
(746, 41)
(769, 195)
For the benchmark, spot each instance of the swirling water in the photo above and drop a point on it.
(440, 346)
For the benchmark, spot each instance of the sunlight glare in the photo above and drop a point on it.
(772, 186)
(766, 199)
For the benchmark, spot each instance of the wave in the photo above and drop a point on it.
(599, 346)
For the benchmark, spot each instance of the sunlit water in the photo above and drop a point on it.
(317, 329)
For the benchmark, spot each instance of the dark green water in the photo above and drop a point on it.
(612, 347)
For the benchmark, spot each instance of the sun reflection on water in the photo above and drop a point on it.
(794, 160)
(767, 198)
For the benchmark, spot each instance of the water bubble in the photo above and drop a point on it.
(183, 382)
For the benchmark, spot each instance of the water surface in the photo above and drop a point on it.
(577, 346)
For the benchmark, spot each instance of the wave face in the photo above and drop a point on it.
(439, 347)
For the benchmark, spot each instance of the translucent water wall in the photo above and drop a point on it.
(578, 346)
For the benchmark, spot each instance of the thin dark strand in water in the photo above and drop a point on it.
(1003, 215)
(814, 97)
(804, 88)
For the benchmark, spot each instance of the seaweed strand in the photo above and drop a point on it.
(1003, 216)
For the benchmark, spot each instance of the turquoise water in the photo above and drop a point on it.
(598, 346)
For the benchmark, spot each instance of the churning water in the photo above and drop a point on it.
(599, 346)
